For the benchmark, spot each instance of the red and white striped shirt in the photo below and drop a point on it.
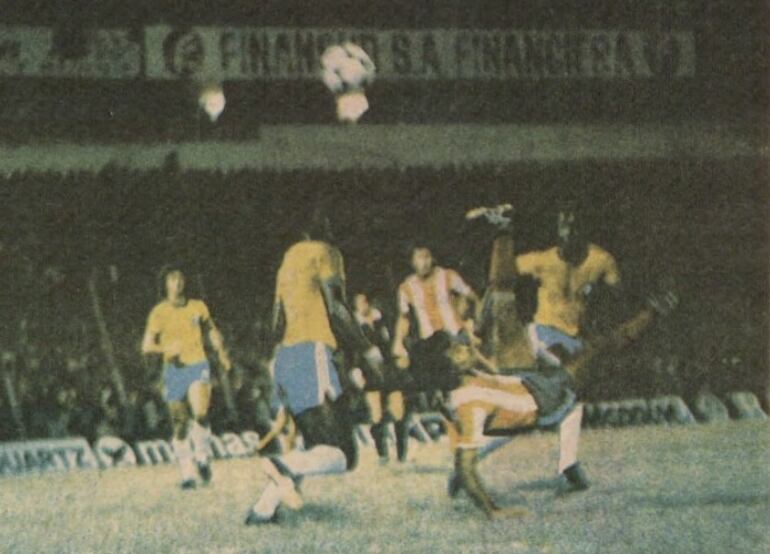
(431, 300)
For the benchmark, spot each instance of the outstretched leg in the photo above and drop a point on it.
(330, 450)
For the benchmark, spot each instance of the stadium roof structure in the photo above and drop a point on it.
(329, 147)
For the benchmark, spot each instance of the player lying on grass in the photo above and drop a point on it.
(514, 391)
(566, 274)
(490, 407)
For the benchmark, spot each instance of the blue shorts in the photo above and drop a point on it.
(543, 337)
(177, 379)
(304, 376)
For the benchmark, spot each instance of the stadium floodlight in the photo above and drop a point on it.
(212, 100)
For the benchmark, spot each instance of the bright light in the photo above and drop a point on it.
(351, 106)
(347, 70)
(212, 101)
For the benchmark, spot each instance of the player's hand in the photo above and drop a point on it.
(357, 378)
(499, 216)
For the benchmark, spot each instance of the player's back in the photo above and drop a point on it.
(298, 287)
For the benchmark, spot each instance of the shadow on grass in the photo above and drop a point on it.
(557, 507)
(315, 513)
(425, 470)
(537, 485)
(406, 469)
(718, 499)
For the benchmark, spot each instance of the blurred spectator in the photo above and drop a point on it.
(48, 249)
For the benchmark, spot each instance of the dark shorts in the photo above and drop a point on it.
(330, 424)
(553, 391)
(430, 368)
(392, 379)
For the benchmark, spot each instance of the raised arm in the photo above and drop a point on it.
(502, 264)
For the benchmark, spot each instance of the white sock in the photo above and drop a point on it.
(319, 460)
(201, 440)
(569, 433)
(491, 445)
(269, 501)
(184, 457)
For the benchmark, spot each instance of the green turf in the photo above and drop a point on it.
(656, 489)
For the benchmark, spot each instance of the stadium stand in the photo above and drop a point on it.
(54, 241)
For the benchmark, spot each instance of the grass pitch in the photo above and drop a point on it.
(655, 489)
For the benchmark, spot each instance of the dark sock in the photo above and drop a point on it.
(380, 440)
(402, 439)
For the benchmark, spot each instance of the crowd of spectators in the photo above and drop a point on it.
(114, 229)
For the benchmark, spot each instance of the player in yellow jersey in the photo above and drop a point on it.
(312, 320)
(492, 403)
(175, 330)
(529, 393)
(566, 275)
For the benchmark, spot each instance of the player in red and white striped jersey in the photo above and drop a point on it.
(429, 297)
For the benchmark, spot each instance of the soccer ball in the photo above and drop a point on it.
(346, 67)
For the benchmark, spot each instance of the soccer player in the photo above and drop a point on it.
(311, 320)
(387, 390)
(566, 275)
(488, 406)
(175, 330)
(427, 297)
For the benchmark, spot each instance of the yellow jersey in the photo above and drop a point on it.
(298, 288)
(488, 403)
(182, 324)
(561, 297)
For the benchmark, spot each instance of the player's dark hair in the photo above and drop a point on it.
(419, 245)
(317, 224)
(164, 273)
